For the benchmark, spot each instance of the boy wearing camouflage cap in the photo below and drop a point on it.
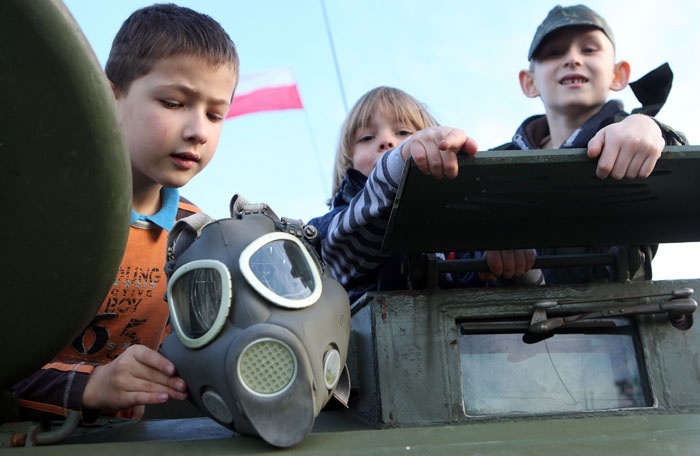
(573, 69)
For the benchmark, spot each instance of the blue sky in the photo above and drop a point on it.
(461, 58)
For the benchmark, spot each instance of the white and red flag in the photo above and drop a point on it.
(269, 90)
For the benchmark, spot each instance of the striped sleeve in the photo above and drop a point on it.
(351, 247)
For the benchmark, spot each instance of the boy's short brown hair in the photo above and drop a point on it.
(164, 30)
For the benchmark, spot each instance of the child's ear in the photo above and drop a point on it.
(622, 76)
(527, 84)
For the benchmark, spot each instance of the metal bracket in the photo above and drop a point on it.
(680, 309)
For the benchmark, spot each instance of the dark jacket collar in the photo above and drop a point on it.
(535, 129)
(352, 183)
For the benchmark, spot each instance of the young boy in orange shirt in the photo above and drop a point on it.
(173, 72)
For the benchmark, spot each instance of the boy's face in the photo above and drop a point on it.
(172, 119)
(382, 133)
(573, 71)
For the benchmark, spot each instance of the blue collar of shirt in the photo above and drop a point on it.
(165, 217)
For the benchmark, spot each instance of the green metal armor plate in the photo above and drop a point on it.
(66, 184)
(519, 199)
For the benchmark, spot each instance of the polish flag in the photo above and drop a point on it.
(269, 90)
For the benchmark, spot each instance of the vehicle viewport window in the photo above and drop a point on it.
(589, 369)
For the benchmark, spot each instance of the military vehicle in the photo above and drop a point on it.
(596, 368)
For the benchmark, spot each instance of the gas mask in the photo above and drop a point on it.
(260, 329)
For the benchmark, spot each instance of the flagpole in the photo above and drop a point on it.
(335, 57)
(319, 162)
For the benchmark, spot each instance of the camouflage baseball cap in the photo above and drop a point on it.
(567, 16)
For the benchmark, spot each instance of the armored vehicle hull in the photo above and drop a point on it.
(588, 369)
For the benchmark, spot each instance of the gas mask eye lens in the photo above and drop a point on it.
(280, 268)
(202, 288)
(199, 296)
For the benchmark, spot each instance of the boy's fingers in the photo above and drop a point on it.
(628, 149)
(524, 259)
(603, 170)
(153, 359)
(595, 145)
(643, 162)
(157, 370)
(608, 159)
(509, 263)
(531, 254)
(647, 167)
(137, 412)
(494, 261)
(470, 146)
(153, 385)
(520, 263)
(633, 167)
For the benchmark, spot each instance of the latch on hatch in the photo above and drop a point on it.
(679, 305)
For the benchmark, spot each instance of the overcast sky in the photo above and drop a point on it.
(461, 58)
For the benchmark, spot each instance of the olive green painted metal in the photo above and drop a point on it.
(66, 184)
(619, 435)
(528, 192)
(408, 365)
